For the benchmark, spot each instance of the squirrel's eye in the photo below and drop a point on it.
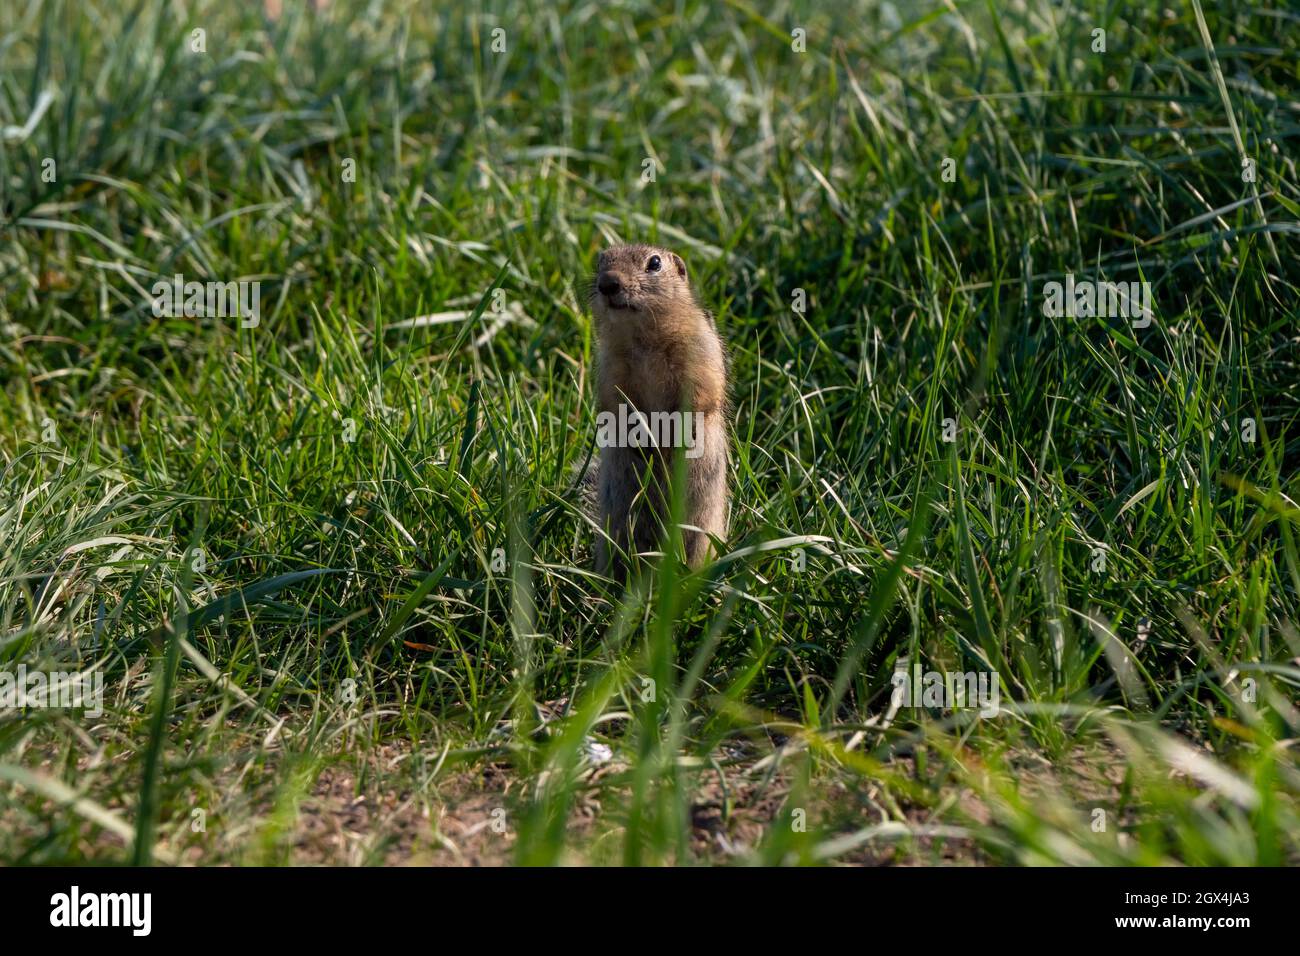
(654, 265)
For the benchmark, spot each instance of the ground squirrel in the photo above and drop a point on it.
(658, 354)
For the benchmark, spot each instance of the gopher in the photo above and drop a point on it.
(661, 372)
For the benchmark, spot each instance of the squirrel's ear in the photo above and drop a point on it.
(681, 266)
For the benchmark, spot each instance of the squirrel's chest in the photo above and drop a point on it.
(650, 380)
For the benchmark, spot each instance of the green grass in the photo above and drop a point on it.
(350, 628)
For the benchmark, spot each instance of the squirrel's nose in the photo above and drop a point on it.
(609, 284)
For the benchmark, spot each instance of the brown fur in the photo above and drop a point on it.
(659, 352)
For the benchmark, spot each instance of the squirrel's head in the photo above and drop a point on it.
(636, 281)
